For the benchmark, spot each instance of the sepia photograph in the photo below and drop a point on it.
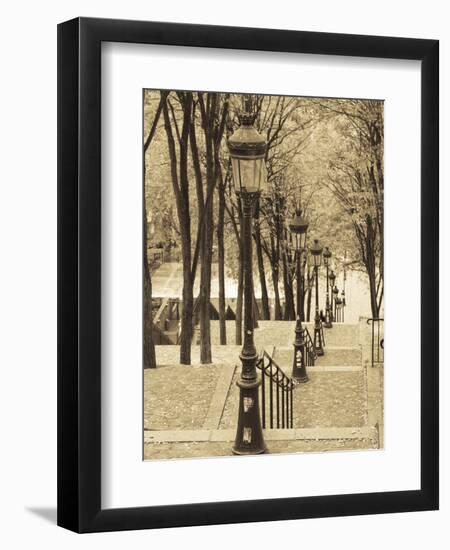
(263, 270)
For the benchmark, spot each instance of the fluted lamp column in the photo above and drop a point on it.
(316, 256)
(247, 149)
(299, 227)
(326, 262)
(336, 298)
(332, 278)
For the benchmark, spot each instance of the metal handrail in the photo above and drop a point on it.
(377, 351)
(278, 405)
(311, 354)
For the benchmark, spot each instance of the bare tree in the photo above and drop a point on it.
(149, 346)
(356, 178)
(180, 184)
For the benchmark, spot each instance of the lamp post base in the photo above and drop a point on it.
(244, 452)
(249, 436)
(299, 375)
(318, 344)
(300, 379)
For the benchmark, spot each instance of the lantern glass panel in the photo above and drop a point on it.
(249, 175)
(302, 240)
(316, 259)
(236, 176)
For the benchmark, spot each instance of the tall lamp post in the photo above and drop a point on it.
(326, 261)
(343, 304)
(299, 228)
(316, 255)
(338, 303)
(247, 151)
(332, 278)
(336, 298)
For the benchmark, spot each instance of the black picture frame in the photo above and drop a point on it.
(79, 270)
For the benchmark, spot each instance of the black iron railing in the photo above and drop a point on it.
(311, 354)
(277, 394)
(377, 340)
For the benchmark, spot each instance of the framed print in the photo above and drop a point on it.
(248, 234)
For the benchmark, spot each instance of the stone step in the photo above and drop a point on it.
(334, 356)
(282, 333)
(309, 434)
(340, 356)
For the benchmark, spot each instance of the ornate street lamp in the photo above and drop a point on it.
(316, 256)
(326, 261)
(336, 298)
(332, 278)
(247, 151)
(305, 287)
(299, 228)
(342, 305)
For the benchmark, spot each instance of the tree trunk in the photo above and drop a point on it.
(180, 184)
(149, 347)
(289, 310)
(256, 315)
(186, 320)
(262, 274)
(302, 299)
(370, 268)
(221, 266)
(205, 288)
(309, 299)
(213, 115)
(370, 264)
(278, 313)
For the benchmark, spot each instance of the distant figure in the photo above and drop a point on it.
(322, 316)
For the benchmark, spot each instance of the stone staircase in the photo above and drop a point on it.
(282, 333)
(334, 357)
(339, 408)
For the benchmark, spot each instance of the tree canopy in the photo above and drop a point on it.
(325, 155)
